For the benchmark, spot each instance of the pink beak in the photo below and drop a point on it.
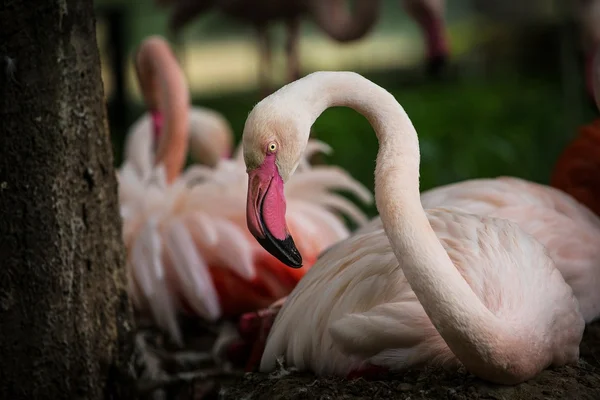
(265, 213)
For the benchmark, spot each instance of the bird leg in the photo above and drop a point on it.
(292, 48)
(430, 17)
(265, 64)
(254, 329)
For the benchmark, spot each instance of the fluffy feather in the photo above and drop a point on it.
(199, 230)
(357, 308)
(568, 229)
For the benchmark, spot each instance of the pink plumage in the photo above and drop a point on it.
(441, 286)
(189, 250)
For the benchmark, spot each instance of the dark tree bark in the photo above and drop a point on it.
(64, 313)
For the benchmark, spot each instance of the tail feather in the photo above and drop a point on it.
(192, 272)
(148, 271)
(234, 249)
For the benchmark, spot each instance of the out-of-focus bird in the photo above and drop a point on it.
(210, 135)
(432, 287)
(331, 16)
(577, 171)
(188, 246)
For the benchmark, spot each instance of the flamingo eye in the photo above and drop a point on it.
(272, 147)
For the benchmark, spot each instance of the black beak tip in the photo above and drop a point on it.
(284, 250)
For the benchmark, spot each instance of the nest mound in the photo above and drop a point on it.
(580, 381)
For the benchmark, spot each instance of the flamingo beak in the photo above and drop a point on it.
(265, 213)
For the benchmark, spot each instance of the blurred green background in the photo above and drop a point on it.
(510, 102)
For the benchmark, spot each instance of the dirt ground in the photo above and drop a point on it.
(581, 381)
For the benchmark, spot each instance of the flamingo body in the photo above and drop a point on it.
(357, 308)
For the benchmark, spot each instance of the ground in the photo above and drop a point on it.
(581, 381)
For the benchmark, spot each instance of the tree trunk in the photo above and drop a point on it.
(64, 310)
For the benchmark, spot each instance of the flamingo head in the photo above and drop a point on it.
(271, 155)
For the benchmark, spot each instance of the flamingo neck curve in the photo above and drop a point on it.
(471, 331)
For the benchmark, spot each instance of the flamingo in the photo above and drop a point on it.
(210, 135)
(568, 229)
(562, 220)
(329, 15)
(438, 286)
(187, 244)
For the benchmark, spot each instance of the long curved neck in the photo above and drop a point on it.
(468, 327)
(165, 92)
(335, 20)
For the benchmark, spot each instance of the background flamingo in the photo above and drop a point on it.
(329, 15)
(447, 287)
(188, 247)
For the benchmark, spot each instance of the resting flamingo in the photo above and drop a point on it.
(432, 287)
(568, 229)
(188, 248)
